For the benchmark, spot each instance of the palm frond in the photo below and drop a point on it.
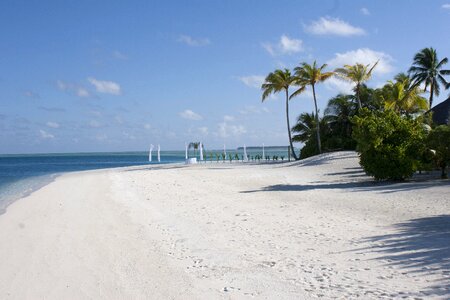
(275, 82)
(442, 62)
(369, 73)
(442, 80)
(325, 76)
(298, 92)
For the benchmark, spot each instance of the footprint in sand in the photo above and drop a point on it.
(269, 263)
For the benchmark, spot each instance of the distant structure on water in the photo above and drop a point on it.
(265, 147)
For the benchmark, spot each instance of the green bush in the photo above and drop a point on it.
(310, 148)
(390, 145)
(439, 141)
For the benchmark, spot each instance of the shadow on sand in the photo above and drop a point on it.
(420, 246)
(152, 168)
(373, 186)
(325, 158)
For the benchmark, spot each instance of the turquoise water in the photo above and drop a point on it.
(22, 174)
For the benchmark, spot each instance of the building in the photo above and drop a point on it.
(441, 113)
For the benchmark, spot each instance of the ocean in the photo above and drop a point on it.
(22, 174)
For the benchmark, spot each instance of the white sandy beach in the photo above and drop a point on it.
(300, 230)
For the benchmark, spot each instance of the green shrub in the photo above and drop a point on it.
(390, 146)
(310, 148)
(439, 141)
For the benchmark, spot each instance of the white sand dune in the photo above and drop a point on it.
(301, 230)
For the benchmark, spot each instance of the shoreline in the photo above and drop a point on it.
(52, 176)
(44, 180)
(38, 184)
(305, 229)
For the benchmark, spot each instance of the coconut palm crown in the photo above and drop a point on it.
(311, 75)
(357, 74)
(194, 145)
(305, 127)
(427, 70)
(403, 97)
(275, 82)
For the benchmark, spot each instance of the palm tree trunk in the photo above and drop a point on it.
(357, 96)
(289, 126)
(319, 144)
(443, 173)
(431, 93)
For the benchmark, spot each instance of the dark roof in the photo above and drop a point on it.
(441, 113)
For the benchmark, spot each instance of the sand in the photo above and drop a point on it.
(317, 228)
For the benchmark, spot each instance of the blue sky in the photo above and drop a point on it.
(119, 75)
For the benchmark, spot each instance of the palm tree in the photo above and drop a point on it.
(305, 75)
(403, 77)
(305, 132)
(358, 74)
(305, 127)
(427, 69)
(339, 111)
(403, 97)
(194, 145)
(277, 81)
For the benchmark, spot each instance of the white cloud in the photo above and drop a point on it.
(190, 115)
(226, 130)
(365, 11)
(446, 6)
(286, 45)
(333, 26)
(82, 92)
(52, 124)
(203, 130)
(45, 135)
(364, 56)
(148, 126)
(106, 87)
(269, 48)
(119, 55)
(290, 45)
(228, 118)
(190, 41)
(119, 120)
(253, 110)
(339, 86)
(73, 89)
(254, 81)
(62, 85)
(380, 84)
